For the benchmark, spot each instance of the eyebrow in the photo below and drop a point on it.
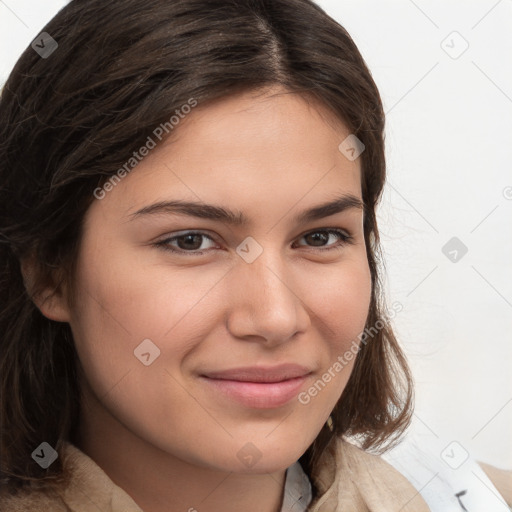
(237, 218)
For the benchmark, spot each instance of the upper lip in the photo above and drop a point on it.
(260, 373)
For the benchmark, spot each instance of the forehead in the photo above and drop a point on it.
(245, 150)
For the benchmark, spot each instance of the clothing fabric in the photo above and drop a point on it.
(349, 480)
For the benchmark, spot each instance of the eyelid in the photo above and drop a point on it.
(345, 231)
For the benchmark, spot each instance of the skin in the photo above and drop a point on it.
(158, 431)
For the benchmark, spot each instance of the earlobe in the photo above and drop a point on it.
(50, 300)
(53, 306)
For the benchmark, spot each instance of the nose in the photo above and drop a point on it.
(266, 303)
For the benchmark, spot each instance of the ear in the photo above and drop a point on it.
(51, 298)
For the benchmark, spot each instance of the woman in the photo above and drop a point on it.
(252, 370)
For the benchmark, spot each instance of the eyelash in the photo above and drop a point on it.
(343, 236)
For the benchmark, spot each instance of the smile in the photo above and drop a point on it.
(258, 387)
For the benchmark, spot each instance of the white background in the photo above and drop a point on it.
(449, 151)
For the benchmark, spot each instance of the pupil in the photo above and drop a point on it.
(320, 235)
(188, 239)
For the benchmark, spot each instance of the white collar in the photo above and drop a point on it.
(297, 490)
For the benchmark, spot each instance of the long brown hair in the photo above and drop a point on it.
(69, 123)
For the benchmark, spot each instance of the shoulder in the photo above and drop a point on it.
(501, 478)
(448, 476)
(83, 486)
(38, 498)
(374, 472)
(350, 478)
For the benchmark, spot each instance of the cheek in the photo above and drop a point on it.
(121, 307)
(124, 301)
(341, 317)
(343, 301)
(343, 311)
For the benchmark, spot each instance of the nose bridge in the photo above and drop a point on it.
(266, 304)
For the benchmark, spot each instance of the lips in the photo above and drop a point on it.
(257, 387)
(260, 373)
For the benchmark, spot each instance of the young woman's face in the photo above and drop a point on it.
(167, 301)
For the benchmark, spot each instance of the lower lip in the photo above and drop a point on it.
(258, 395)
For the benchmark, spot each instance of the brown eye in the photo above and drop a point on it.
(189, 242)
(320, 238)
(192, 242)
(317, 238)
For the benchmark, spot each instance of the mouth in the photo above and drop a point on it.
(258, 387)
